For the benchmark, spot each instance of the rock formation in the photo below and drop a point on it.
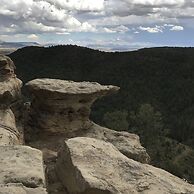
(64, 107)
(21, 167)
(92, 160)
(9, 92)
(91, 166)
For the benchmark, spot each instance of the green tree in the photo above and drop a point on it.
(116, 120)
(147, 122)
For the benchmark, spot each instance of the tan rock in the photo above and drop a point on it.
(64, 107)
(127, 143)
(9, 134)
(21, 164)
(7, 68)
(20, 189)
(10, 91)
(91, 166)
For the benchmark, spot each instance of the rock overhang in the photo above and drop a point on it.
(55, 88)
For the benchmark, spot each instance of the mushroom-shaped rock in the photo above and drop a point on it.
(91, 166)
(63, 106)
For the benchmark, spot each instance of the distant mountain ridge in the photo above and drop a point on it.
(16, 45)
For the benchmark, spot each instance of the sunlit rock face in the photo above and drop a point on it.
(10, 91)
(64, 107)
(7, 68)
(91, 166)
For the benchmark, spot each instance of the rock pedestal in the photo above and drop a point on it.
(9, 92)
(64, 107)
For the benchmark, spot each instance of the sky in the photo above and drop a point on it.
(102, 24)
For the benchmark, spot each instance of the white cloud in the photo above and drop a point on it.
(32, 37)
(177, 28)
(155, 29)
(117, 29)
(111, 17)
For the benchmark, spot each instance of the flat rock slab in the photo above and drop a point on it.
(56, 87)
(91, 166)
(20, 189)
(21, 164)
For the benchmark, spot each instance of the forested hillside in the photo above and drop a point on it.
(156, 99)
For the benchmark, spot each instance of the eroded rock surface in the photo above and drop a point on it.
(10, 91)
(64, 107)
(127, 143)
(21, 164)
(9, 134)
(91, 166)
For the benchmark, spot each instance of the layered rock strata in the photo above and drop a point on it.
(10, 91)
(91, 166)
(64, 107)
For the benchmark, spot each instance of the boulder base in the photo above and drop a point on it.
(21, 164)
(91, 166)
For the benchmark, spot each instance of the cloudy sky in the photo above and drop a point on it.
(102, 24)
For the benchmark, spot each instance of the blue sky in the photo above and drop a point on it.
(101, 24)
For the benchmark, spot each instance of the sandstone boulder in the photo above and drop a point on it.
(9, 134)
(9, 84)
(127, 143)
(21, 164)
(10, 91)
(91, 166)
(7, 68)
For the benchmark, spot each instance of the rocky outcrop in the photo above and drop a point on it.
(21, 167)
(91, 166)
(64, 107)
(9, 92)
(127, 143)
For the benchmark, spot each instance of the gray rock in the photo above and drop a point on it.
(21, 164)
(91, 166)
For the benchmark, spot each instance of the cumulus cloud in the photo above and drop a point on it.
(177, 28)
(61, 17)
(32, 37)
(155, 29)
